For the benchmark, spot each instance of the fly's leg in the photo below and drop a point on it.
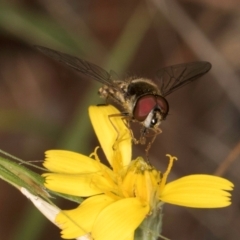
(156, 132)
(127, 123)
(135, 141)
(124, 116)
(142, 139)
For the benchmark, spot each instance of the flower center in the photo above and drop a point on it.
(141, 181)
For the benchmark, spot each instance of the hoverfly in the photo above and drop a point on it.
(143, 100)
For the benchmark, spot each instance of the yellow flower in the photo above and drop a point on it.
(128, 194)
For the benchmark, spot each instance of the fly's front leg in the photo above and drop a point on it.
(142, 139)
(124, 116)
(156, 132)
(127, 123)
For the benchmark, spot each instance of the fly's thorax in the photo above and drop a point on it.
(142, 86)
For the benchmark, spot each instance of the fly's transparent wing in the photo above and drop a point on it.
(87, 68)
(171, 78)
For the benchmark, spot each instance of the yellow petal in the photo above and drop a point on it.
(78, 185)
(199, 191)
(119, 220)
(79, 221)
(112, 132)
(61, 161)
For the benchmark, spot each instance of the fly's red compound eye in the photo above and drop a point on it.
(163, 105)
(143, 107)
(147, 103)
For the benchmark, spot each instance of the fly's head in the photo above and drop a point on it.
(150, 110)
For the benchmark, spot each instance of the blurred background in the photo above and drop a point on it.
(44, 105)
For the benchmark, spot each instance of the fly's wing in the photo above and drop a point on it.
(87, 68)
(176, 76)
